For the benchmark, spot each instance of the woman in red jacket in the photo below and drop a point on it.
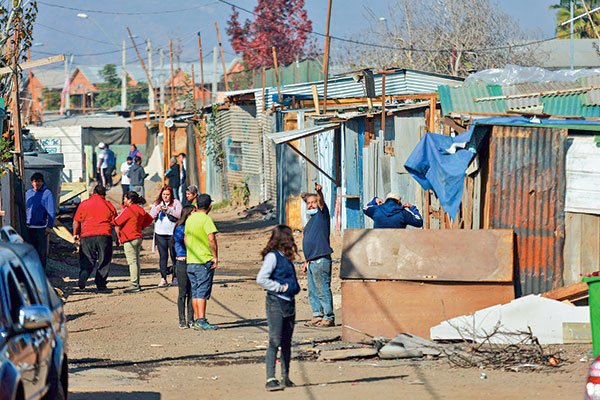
(129, 225)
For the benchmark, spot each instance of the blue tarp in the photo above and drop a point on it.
(440, 162)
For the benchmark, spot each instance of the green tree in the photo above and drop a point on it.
(583, 28)
(51, 99)
(109, 95)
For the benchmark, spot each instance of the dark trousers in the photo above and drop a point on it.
(163, 242)
(176, 192)
(185, 293)
(95, 251)
(281, 316)
(39, 240)
(124, 189)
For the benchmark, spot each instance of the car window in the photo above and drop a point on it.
(25, 285)
(16, 300)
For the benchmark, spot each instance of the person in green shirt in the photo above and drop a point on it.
(202, 258)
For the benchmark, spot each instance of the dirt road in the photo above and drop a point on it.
(129, 346)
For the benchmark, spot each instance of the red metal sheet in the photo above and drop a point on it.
(527, 194)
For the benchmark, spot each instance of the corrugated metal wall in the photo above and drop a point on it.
(526, 193)
(269, 184)
(242, 140)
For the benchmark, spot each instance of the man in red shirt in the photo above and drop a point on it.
(92, 229)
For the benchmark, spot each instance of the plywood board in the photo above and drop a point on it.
(388, 308)
(430, 255)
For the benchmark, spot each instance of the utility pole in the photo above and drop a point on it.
(137, 53)
(201, 68)
(161, 56)
(571, 42)
(276, 66)
(151, 101)
(67, 89)
(215, 76)
(124, 77)
(194, 89)
(172, 77)
(222, 57)
(326, 58)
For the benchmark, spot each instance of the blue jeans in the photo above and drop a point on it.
(319, 288)
(201, 279)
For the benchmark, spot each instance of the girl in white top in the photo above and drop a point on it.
(166, 210)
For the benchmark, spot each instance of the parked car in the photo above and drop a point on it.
(33, 335)
(592, 386)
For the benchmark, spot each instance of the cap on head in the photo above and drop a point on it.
(193, 189)
(101, 145)
(204, 201)
(393, 195)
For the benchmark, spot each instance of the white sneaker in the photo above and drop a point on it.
(163, 282)
(174, 282)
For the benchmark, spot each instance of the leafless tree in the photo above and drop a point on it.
(453, 37)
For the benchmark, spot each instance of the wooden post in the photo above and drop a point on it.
(15, 107)
(383, 73)
(222, 57)
(326, 58)
(172, 111)
(431, 122)
(315, 96)
(264, 101)
(276, 66)
(194, 88)
(137, 52)
(201, 68)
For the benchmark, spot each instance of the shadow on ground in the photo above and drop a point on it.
(115, 396)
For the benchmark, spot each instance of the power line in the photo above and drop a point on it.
(388, 47)
(73, 34)
(127, 12)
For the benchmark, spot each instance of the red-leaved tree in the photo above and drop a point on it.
(280, 23)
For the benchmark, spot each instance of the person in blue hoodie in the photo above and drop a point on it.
(183, 282)
(41, 211)
(391, 213)
(278, 276)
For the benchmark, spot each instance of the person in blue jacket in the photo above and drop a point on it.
(41, 211)
(183, 283)
(278, 276)
(391, 213)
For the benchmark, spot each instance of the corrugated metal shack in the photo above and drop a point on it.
(540, 180)
(351, 151)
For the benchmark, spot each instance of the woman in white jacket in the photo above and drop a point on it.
(166, 210)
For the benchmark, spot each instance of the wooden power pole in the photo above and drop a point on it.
(201, 68)
(222, 57)
(326, 58)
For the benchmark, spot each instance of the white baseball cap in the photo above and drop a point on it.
(393, 195)
(101, 145)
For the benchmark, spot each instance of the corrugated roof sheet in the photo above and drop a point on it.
(532, 97)
(288, 136)
(92, 121)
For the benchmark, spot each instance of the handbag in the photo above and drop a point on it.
(172, 218)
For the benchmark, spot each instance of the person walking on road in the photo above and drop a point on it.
(202, 259)
(391, 213)
(185, 288)
(92, 229)
(134, 152)
(165, 212)
(106, 164)
(317, 253)
(172, 175)
(181, 157)
(129, 225)
(125, 181)
(137, 175)
(278, 276)
(40, 213)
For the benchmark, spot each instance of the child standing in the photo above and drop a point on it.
(185, 288)
(278, 276)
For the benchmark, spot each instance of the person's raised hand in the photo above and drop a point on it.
(318, 187)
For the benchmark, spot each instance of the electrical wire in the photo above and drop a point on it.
(389, 47)
(73, 34)
(126, 12)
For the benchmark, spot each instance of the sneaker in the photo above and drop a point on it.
(174, 282)
(327, 323)
(81, 284)
(183, 325)
(163, 282)
(273, 385)
(133, 289)
(287, 382)
(203, 324)
(315, 321)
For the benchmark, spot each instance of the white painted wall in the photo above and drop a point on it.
(66, 140)
(583, 175)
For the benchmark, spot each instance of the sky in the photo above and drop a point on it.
(97, 39)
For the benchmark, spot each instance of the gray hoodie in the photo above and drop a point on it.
(137, 175)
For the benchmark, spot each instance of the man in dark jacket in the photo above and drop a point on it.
(172, 175)
(391, 213)
(137, 175)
